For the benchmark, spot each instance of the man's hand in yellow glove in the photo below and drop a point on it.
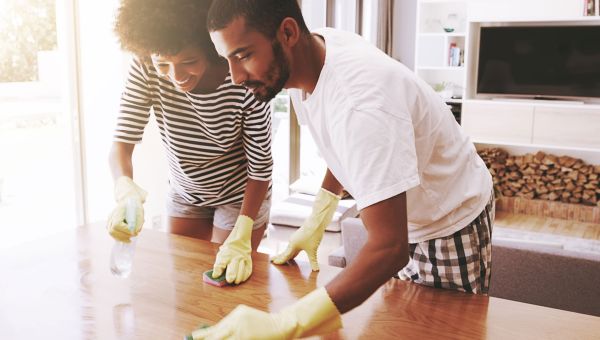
(127, 194)
(314, 314)
(235, 253)
(309, 236)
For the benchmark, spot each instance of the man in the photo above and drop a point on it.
(424, 194)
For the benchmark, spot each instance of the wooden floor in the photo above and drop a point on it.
(548, 225)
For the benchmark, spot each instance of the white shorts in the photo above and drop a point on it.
(223, 216)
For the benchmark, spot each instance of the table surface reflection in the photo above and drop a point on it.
(61, 288)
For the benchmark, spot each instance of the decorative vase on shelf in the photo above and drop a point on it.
(451, 23)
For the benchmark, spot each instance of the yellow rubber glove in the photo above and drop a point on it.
(235, 253)
(126, 193)
(310, 234)
(314, 314)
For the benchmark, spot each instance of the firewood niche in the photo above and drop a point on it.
(543, 176)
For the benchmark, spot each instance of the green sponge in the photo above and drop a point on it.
(219, 282)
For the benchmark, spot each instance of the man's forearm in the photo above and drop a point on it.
(331, 184)
(384, 254)
(371, 269)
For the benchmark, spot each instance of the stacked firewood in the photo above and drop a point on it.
(543, 176)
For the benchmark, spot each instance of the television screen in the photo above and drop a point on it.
(548, 61)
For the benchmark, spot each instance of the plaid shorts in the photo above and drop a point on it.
(461, 261)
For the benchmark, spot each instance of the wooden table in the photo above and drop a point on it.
(62, 288)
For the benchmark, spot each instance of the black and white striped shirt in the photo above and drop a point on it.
(214, 142)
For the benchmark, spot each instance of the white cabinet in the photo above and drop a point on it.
(490, 121)
(570, 127)
(441, 29)
(533, 123)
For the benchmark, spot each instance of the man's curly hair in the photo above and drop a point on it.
(146, 27)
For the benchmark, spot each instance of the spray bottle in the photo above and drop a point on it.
(121, 256)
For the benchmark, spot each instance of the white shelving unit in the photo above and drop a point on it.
(522, 125)
(439, 24)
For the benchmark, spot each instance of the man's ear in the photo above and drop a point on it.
(289, 32)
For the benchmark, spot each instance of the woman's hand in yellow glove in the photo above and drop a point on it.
(234, 255)
(128, 195)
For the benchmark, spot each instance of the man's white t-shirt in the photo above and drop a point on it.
(383, 131)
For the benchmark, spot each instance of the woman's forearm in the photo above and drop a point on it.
(120, 161)
(254, 196)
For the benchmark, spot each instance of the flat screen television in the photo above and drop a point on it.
(539, 61)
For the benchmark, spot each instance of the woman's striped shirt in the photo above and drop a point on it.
(214, 142)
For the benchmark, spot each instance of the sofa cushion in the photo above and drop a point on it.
(337, 258)
(354, 237)
(546, 276)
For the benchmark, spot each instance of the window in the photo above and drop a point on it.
(38, 185)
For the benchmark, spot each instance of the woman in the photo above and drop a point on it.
(216, 135)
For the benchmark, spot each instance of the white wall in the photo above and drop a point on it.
(103, 68)
(151, 173)
(100, 76)
(314, 12)
(404, 30)
(345, 15)
(496, 10)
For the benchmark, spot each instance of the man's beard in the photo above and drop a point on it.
(277, 74)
